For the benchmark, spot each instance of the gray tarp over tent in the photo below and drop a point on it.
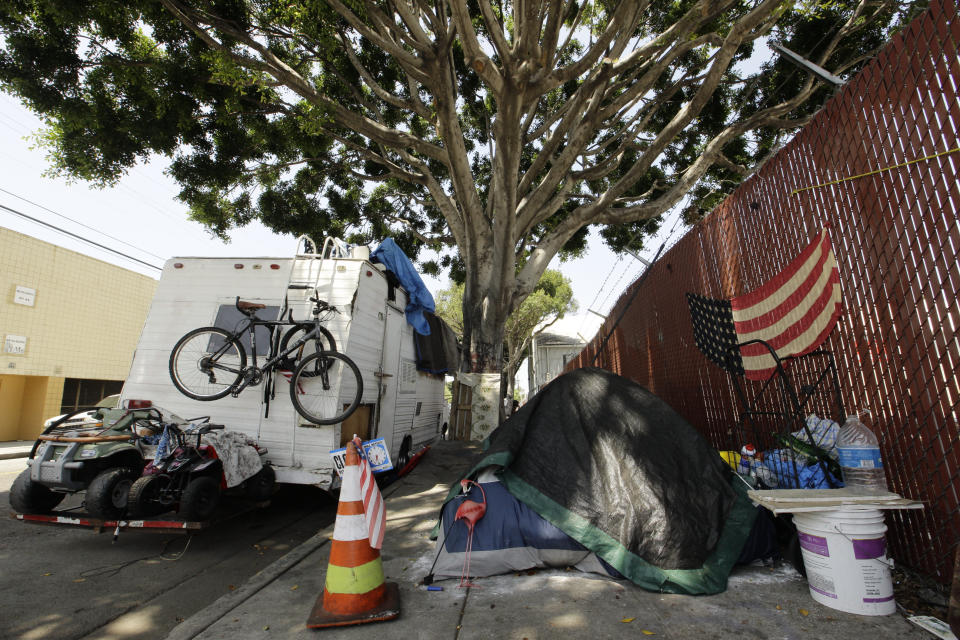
(619, 471)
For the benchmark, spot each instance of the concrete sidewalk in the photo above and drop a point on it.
(759, 602)
(15, 449)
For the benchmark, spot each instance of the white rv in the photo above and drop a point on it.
(399, 403)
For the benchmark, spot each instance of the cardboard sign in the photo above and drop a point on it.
(376, 452)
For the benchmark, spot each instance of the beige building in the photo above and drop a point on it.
(69, 325)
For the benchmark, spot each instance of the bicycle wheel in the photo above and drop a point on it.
(326, 343)
(206, 363)
(326, 387)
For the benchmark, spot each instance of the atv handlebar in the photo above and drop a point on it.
(200, 428)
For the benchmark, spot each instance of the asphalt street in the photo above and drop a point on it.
(63, 583)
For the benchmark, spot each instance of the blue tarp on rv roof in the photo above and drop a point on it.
(419, 298)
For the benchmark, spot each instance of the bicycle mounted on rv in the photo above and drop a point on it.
(210, 363)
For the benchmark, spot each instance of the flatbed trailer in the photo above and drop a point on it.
(169, 524)
(83, 521)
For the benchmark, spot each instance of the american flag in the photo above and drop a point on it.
(793, 312)
(373, 507)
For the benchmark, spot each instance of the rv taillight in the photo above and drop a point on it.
(178, 265)
(238, 266)
(274, 266)
(137, 404)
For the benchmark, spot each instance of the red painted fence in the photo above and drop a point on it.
(879, 164)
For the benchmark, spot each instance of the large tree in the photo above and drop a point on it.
(492, 131)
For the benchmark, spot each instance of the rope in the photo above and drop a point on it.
(112, 570)
(465, 572)
(876, 171)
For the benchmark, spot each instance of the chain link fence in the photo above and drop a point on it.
(879, 165)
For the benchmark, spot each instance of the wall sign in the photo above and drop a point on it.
(24, 296)
(15, 344)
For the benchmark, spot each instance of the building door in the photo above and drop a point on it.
(461, 414)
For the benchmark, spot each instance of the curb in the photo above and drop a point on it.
(209, 615)
(206, 617)
(12, 455)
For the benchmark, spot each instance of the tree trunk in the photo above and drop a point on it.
(485, 311)
(486, 306)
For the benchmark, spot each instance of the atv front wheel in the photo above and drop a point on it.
(144, 498)
(200, 498)
(107, 494)
(27, 496)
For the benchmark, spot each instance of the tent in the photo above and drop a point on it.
(598, 472)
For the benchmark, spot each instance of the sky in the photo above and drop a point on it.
(141, 218)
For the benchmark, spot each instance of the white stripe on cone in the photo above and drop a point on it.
(350, 528)
(350, 484)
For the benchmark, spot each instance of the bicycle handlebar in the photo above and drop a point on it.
(323, 305)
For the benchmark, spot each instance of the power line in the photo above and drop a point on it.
(76, 222)
(636, 290)
(23, 110)
(583, 320)
(81, 238)
(614, 288)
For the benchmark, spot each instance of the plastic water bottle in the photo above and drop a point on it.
(859, 453)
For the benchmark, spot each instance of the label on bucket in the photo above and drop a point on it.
(869, 548)
(821, 583)
(814, 544)
(877, 586)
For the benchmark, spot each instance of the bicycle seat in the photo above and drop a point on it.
(250, 307)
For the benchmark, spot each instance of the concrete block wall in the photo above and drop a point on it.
(62, 315)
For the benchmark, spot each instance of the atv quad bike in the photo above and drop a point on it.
(189, 477)
(102, 457)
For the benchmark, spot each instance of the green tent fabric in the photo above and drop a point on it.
(616, 469)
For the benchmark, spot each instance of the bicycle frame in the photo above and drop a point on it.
(252, 374)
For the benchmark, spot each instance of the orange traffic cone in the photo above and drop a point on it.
(355, 591)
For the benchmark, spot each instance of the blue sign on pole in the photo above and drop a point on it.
(375, 451)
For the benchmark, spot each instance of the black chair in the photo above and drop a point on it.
(776, 407)
(773, 335)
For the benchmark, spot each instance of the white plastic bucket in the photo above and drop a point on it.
(845, 555)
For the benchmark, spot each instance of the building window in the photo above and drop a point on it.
(81, 394)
